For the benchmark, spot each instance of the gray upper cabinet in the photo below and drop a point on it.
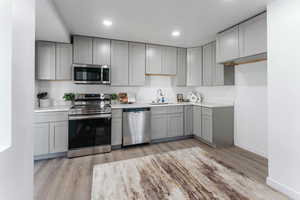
(153, 59)
(208, 65)
(181, 67)
(64, 53)
(169, 61)
(228, 45)
(137, 64)
(83, 50)
(213, 73)
(161, 60)
(119, 63)
(45, 64)
(194, 66)
(218, 69)
(253, 36)
(101, 51)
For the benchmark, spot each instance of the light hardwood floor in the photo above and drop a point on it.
(71, 179)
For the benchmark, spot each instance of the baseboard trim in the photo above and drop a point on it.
(284, 189)
(263, 154)
(171, 139)
(50, 156)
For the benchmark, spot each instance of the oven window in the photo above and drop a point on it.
(89, 133)
(87, 74)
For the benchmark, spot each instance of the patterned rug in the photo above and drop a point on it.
(183, 174)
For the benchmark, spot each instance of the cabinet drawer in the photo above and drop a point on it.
(159, 110)
(50, 117)
(117, 113)
(175, 109)
(207, 111)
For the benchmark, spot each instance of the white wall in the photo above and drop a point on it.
(5, 75)
(251, 107)
(49, 24)
(16, 163)
(284, 96)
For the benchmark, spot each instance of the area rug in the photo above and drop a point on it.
(177, 175)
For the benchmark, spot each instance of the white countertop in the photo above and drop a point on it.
(143, 105)
(137, 105)
(53, 109)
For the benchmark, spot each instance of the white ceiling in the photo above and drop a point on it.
(153, 20)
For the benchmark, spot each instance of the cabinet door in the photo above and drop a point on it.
(207, 128)
(41, 139)
(45, 61)
(188, 120)
(137, 64)
(58, 137)
(175, 125)
(119, 63)
(169, 61)
(253, 36)
(217, 69)
(194, 66)
(208, 65)
(181, 67)
(153, 59)
(83, 50)
(116, 131)
(101, 51)
(64, 53)
(228, 45)
(197, 121)
(159, 127)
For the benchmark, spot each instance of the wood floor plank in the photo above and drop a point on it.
(71, 179)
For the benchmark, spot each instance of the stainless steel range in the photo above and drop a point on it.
(90, 125)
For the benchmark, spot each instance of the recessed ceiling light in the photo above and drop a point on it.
(176, 33)
(107, 22)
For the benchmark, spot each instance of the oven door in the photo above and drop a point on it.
(87, 74)
(89, 131)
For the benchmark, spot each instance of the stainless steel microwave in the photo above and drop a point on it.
(91, 74)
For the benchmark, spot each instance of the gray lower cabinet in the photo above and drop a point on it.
(175, 125)
(119, 63)
(218, 126)
(116, 127)
(41, 139)
(159, 126)
(166, 122)
(83, 50)
(188, 120)
(50, 133)
(137, 64)
(181, 67)
(53, 61)
(197, 121)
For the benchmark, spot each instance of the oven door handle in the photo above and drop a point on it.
(90, 117)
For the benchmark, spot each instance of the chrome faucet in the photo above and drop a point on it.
(160, 96)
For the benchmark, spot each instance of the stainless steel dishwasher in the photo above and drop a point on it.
(136, 126)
